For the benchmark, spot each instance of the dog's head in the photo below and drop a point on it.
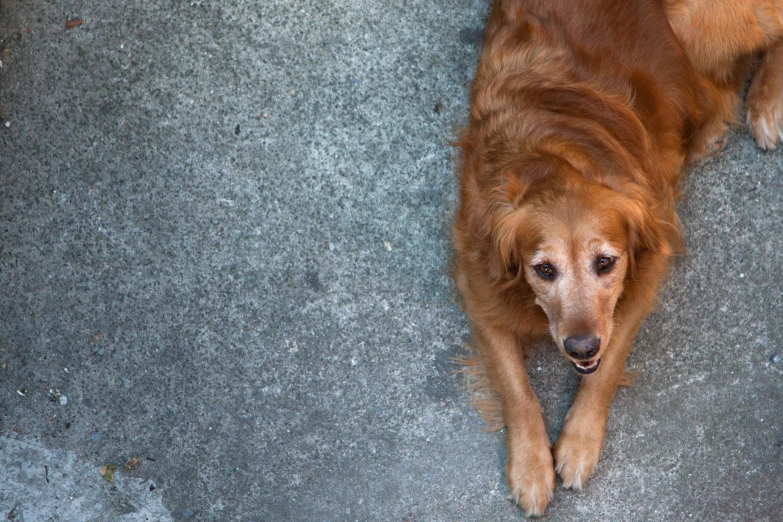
(575, 242)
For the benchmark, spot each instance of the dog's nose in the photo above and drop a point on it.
(582, 347)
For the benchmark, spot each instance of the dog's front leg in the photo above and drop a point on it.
(529, 467)
(579, 445)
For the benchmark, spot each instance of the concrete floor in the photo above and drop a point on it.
(224, 238)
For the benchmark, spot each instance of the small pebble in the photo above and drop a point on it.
(94, 437)
(187, 514)
(775, 358)
(8, 125)
(237, 130)
(100, 351)
(54, 394)
(63, 400)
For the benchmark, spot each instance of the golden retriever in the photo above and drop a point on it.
(583, 115)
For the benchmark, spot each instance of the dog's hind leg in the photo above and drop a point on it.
(721, 38)
(764, 104)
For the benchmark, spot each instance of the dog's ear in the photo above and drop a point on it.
(512, 227)
(648, 233)
(509, 236)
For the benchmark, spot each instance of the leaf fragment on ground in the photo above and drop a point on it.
(107, 472)
(131, 463)
(74, 22)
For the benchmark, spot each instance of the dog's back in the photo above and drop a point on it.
(625, 51)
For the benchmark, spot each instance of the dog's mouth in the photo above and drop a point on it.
(586, 367)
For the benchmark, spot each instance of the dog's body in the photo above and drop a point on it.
(583, 115)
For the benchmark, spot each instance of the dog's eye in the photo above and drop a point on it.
(545, 270)
(604, 264)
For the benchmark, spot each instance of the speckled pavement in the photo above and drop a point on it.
(224, 238)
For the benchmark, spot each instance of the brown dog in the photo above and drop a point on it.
(582, 115)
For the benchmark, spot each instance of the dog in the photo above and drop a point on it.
(583, 116)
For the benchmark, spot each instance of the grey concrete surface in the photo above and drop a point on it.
(42, 484)
(224, 237)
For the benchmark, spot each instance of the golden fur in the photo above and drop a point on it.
(582, 116)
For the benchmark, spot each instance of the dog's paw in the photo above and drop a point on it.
(715, 145)
(576, 457)
(531, 478)
(708, 144)
(764, 103)
(765, 123)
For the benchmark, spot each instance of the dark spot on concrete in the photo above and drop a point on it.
(471, 35)
(313, 282)
(15, 514)
(443, 384)
(123, 506)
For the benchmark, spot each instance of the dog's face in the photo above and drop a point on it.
(575, 251)
(577, 272)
